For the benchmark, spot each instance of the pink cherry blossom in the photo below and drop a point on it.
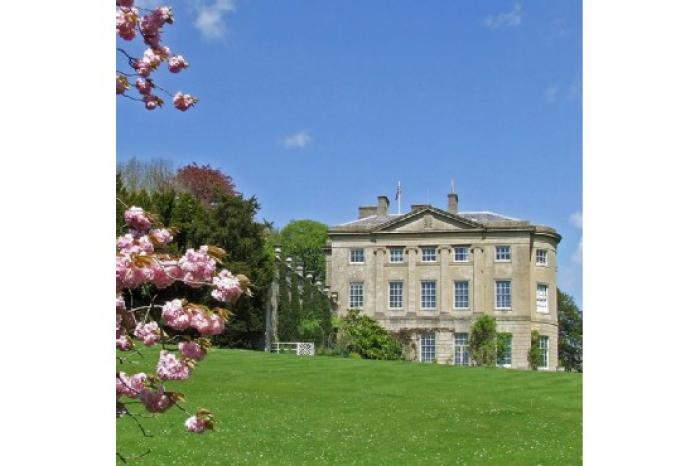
(183, 101)
(152, 102)
(124, 343)
(121, 305)
(127, 19)
(137, 218)
(125, 3)
(129, 275)
(161, 235)
(192, 350)
(207, 324)
(148, 333)
(197, 266)
(164, 275)
(194, 424)
(227, 287)
(175, 316)
(130, 386)
(144, 86)
(171, 368)
(177, 63)
(155, 401)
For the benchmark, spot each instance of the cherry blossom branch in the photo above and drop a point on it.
(143, 431)
(133, 457)
(130, 97)
(129, 57)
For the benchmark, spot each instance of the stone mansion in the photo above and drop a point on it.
(433, 272)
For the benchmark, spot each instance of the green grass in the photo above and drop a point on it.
(282, 409)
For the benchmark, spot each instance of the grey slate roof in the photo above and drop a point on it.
(487, 219)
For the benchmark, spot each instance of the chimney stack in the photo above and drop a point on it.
(452, 203)
(367, 211)
(382, 206)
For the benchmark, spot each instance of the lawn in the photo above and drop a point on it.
(284, 409)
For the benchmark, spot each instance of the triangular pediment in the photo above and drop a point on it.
(427, 219)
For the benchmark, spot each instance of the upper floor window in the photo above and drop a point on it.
(461, 295)
(429, 254)
(503, 253)
(541, 257)
(461, 253)
(544, 352)
(503, 294)
(542, 301)
(357, 256)
(356, 295)
(395, 255)
(427, 294)
(395, 295)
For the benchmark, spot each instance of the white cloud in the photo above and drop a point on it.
(298, 140)
(210, 17)
(513, 18)
(578, 255)
(576, 219)
(551, 93)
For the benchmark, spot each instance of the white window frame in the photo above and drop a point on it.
(391, 256)
(422, 296)
(454, 295)
(510, 253)
(461, 349)
(422, 253)
(361, 250)
(510, 288)
(542, 309)
(510, 355)
(361, 295)
(433, 337)
(544, 351)
(466, 254)
(395, 308)
(545, 263)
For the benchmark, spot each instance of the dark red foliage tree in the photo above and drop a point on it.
(203, 181)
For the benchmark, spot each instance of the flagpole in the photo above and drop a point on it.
(399, 198)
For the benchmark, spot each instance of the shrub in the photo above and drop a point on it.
(363, 335)
(482, 341)
(534, 356)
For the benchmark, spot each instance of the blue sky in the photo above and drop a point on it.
(316, 107)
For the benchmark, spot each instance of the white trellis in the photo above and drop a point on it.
(299, 348)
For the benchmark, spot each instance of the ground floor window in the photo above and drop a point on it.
(461, 350)
(505, 350)
(544, 352)
(427, 347)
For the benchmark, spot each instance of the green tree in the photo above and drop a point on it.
(482, 341)
(570, 333)
(228, 222)
(303, 241)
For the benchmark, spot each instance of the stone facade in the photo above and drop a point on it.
(479, 248)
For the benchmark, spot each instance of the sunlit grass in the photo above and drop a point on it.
(280, 409)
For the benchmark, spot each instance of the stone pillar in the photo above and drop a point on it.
(444, 286)
(411, 286)
(272, 307)
(380, 302)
